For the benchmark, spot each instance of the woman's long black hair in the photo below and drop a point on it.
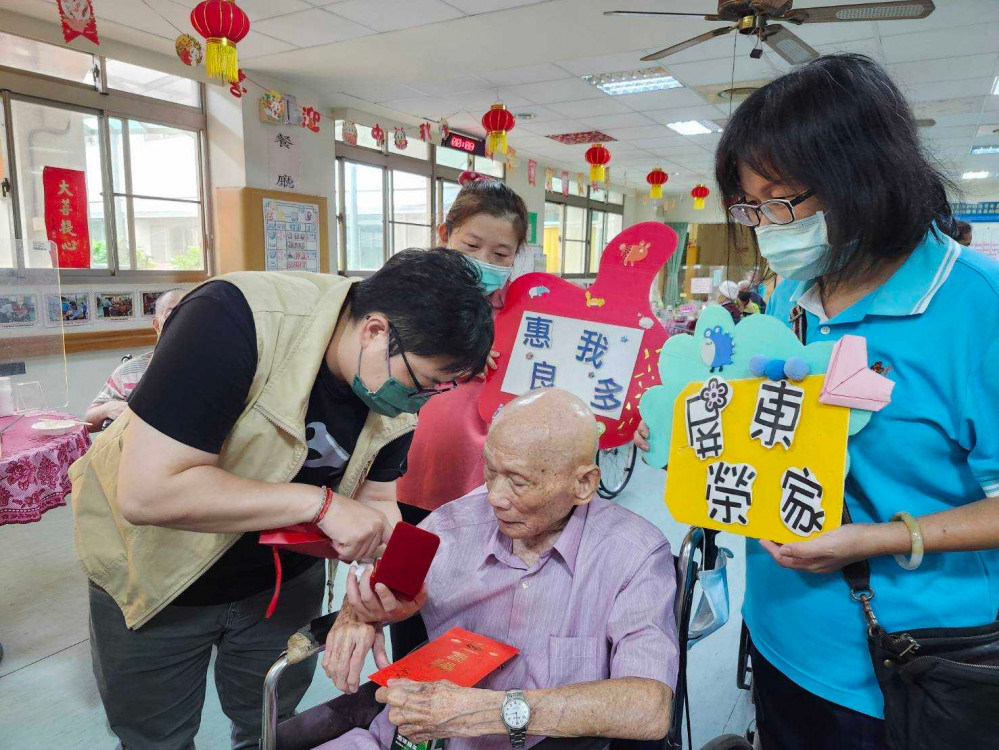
(839, 126)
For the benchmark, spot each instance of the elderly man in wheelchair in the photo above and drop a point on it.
(535, 559)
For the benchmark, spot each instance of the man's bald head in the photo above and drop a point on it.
(165, 304)
(550, 423)
(540, 462)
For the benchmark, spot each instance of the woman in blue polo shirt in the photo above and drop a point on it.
(825, 163)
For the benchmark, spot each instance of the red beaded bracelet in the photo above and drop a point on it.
(325, 507)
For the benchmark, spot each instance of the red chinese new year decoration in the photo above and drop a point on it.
(223, 24)
(66, 221)
(532, 172)
(378, 134)
(78, 19)
(238, 89)
(311, 118)
(189, 50)
(620, 298)
(597, 157)
(425, 131)
(498, 121)
(656, 178)
(459, 656)
(699, 193)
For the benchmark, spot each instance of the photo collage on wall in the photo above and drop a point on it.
(75, 307)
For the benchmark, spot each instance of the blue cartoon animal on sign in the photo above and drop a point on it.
(717, 349)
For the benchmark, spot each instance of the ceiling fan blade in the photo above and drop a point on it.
(707, 36)
(886, 11)
(789, 45)
(647, 13)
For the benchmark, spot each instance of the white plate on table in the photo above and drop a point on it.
(54, 426)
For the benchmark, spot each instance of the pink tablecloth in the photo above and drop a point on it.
(34, 467)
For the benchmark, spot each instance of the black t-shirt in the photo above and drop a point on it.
(195, 389)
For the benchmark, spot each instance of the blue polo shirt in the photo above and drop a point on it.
(934, 327)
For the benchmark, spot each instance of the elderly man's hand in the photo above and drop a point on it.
(379, 604)
(347, 645)
(437, 710)
(114, 409)
(641, 437)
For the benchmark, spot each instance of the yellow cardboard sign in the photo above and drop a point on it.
(698, 488)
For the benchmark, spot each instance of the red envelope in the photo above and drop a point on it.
(460, 656)
(304, 538)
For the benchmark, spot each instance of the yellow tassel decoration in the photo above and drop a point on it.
(656, 191)
(221, 61)
(597, 172)
(497, 142)
(698, 204)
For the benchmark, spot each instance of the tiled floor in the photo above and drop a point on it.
(48, 698)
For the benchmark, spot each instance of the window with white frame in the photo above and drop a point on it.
(391, 199)
(132, 136)
(578, 228)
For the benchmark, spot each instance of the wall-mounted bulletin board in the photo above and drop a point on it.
(268, 230)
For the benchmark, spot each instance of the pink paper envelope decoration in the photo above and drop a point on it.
(850, 383)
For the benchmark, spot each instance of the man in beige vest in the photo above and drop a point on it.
(274, 399)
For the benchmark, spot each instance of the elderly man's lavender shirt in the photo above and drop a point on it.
(597, 606)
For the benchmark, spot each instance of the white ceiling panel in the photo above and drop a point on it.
(633, 134)
(952, 69)
(454, 85)
(390, 15)
(256, 45)
(651, 101)
(529, 74)
(553, 92)
(967, 87)
(541, 114)
(257, 10)
(379, 93)
(312, 28)
(430, 107)
(629, 120)
(870, 47)
(943, 43)
(606, 105)
(480, 101)
(630, 60)
(487, 6)
(719, 70)
(679, 114)
(554, 127)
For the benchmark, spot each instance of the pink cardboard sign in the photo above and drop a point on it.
(601, 343)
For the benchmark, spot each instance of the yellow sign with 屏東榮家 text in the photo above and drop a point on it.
(758, 457)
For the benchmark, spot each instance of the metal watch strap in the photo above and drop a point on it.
(518, 737)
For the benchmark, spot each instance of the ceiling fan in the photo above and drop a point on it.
(756, 18)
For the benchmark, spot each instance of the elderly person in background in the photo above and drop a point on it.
(728, 297)
(534, 558)
(113, 396)
(962, 233)
(746, 286)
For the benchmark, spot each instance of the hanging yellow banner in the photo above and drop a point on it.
(757, 457)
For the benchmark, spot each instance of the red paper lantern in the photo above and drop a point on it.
(656, 178)
(498, 121)
(597, 157)
(699, 193)
(223, 24)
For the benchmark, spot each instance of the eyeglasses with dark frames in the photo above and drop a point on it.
(421, 391)
(776, 210)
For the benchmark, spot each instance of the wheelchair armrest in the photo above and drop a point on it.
(310, 639)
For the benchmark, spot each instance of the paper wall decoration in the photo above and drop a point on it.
(78, 19)
(549, 178)
(237, 89)
(284, 160)
(794, 444)
(601, 343)
(426, 133)
(350, 132)
(291, 236)
(565, 182)
(189, 50)
(532, 172)
(311, 118)
(66, 215)
(272, 107)
(378, 133)
(399, 139)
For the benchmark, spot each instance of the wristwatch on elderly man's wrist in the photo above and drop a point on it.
(516, 714)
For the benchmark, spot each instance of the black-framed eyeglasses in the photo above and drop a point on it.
(776, 210)
(421, 391)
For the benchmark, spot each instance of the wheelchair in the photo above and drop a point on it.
(616, 466)
(338, 716)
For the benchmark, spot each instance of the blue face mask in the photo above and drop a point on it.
(491, 277)
(712, 610)
(797, 250)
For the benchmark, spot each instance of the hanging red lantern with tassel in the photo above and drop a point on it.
(656, 178)
(597, 157)
(699, 193)
(223, 24)
(498, 121)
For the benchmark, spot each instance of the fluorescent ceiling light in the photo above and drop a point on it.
(985, 150)
(634, 81)
(995, 86)
(693, 127)
(974, 175)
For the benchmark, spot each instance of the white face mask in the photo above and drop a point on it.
(797, 250)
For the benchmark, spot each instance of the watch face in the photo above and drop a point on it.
(516, 713)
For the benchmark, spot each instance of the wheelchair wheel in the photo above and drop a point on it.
(616, 466)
